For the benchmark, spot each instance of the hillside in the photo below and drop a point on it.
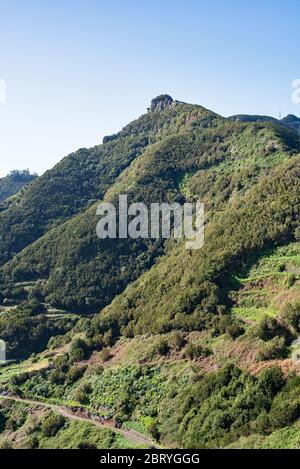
(193, 349)
(13, 183)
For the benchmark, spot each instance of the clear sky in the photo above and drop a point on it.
(76, 70)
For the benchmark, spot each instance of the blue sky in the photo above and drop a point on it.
(78, 70)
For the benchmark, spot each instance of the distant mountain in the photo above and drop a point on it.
(14, 182)
(291, 121)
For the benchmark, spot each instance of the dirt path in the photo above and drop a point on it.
(129, 434)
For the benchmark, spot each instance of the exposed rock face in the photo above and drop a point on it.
(160, 102)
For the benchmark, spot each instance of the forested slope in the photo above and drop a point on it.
(193, 349)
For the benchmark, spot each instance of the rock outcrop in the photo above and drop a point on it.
(160, 102)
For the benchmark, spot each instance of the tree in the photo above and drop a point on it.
(78, 350)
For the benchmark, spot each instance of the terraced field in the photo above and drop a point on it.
(271, 281)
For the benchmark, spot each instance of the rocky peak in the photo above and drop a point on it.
(160, 102)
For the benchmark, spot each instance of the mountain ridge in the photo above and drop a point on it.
(291, 121)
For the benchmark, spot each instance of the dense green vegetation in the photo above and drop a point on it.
(195, 349)
(13, 183)
(174, 404)
(47, 430)
(28, 329)
(80, 271)
(183, 291)
(82, 178)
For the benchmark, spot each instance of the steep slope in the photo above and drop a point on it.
(193, 349)
(84, 273)
(184, 291)
(83, 177)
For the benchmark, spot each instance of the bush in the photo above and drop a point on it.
(271, 381)
(262, 424)
(284, 413)
(97, 342)
(18, 380)
(105, 355)
(82, 393)
(57, 377)
(33, 442)
(75, 373)
(234, 331)
(108, 339)
(291, 316)
(6, 444)
(78, 350)
(51, 424)
(228, 325)
(96, 370)
(197, 351)
(153, 430)
(267, 329)
(3, 419)
(291, 279)
(177, 340)
(274, 348)
(162, 347)
(61, 363)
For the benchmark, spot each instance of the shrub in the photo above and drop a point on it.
(228, 325)
(33, 442)
(82, 393)
(234, 330)
(153, 430)
(271, 381)
(267, 329)
(197, 351)
(57, 377)
(3, 419)
(108, 338)
(272, 349)
(6, 444)
(262, 424)
(97, 342)
(78, 350)
(291, 316)
(177, 340)
(18, 380)
(284, 413)
(51, 424)
(61, 363)
(75, 373)
(105, 355)
(95, 370)
(291, 279)
(162, 347)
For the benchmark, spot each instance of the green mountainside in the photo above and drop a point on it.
(193, 349)
(13, 183)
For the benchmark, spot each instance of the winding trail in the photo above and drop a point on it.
(132, 435)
